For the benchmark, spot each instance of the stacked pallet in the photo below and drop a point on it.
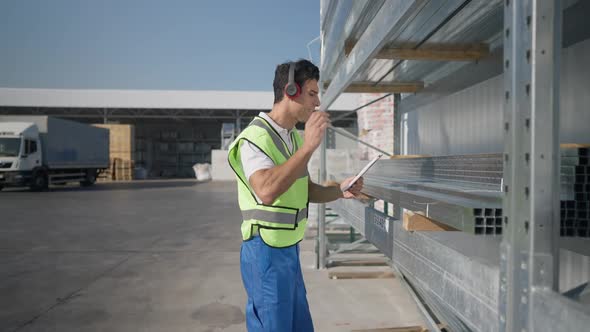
(121, 140)
(119, 170)
(123, 169)
(107, 174)
(121, 152)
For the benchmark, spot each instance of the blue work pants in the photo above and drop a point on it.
(277, 300)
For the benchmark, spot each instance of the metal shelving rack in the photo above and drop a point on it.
(424, 51)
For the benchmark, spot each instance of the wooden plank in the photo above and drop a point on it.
(359, 262)
(356, 255)
(442, 327)
(339, 231)
(389, 87)
(573, 146)
(433, 54)
(397, 87)
(395, 329)
(361, 274)
(416, 221)
(430, 52)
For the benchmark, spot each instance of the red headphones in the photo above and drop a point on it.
(292, 89)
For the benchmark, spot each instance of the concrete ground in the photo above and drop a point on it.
(154, 256)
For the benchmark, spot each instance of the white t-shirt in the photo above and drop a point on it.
(253, 159)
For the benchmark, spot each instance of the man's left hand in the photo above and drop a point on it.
(355, 190)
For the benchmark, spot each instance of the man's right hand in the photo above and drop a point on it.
(315, 128)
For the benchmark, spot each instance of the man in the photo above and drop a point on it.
(270, 160)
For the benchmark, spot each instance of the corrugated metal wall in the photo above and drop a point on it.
(470, 121)
(575, 93)
(574, 270)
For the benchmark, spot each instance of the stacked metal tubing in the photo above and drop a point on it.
(465, 191)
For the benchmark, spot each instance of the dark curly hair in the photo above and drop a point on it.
(304, 71)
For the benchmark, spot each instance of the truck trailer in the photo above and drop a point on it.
(37, 151)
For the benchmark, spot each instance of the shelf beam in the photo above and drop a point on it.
(430, 52)
(390, 87)
(386, 24)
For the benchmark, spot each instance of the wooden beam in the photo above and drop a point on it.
(573, 146)
(431, 52)
(395, 329)
(418, 222)
(442, 327)
(360, 274)
(357, 263)
(395, 87)
(389, 87)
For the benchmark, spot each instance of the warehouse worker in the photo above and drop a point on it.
(270, 160)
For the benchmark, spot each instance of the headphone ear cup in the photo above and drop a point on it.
(293, 90)
(298, 88)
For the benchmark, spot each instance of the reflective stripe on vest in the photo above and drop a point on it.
(275, 217)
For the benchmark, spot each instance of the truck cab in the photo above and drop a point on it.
(38, 151)
(20, 152)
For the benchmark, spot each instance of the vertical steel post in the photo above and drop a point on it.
(531, 159)
(322, 209)
(397, 120)
(238, 128)
(397, 142)
(557, 46)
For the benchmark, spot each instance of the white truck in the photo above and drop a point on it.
(37, 151)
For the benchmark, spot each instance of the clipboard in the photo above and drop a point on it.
(362, 172)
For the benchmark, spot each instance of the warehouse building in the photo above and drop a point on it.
(164, 133)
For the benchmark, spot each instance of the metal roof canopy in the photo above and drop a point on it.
(341, 118)
(150, 99)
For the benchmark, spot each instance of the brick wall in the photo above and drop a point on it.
(375, 124)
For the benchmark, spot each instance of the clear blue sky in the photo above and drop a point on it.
(149, 44)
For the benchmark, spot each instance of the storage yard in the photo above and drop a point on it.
(135, 257)
(119, 208)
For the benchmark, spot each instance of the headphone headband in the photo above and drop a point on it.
(291, 73)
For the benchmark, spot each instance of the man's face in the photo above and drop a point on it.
(308, 101)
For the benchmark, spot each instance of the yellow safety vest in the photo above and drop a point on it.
(281, 224)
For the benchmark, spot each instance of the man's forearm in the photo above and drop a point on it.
(321, 194)
(275, 181)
